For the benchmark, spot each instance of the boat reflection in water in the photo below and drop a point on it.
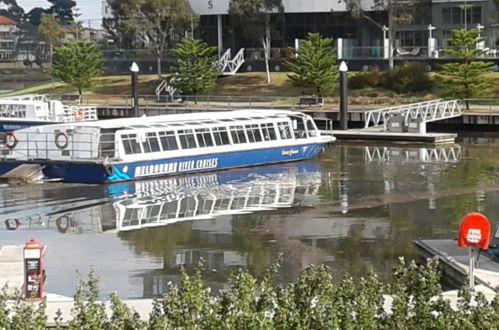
(206, 196)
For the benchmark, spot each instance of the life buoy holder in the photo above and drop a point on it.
(63, 223)
(61, 143)
(78, 114)
(109, 170)
(12, 224)
(10, 140)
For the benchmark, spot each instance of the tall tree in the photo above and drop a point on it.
(50, 32)
(195, 72)
(399, 12)
(155, 22)
(254, 18)
(78, 63)
(314, 64)
(63, 10)
(466, 77)
(10, 9)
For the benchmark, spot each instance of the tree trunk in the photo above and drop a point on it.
(265, 51)
(51, 53)
(158, 63)
(390, 36)
(79, 93)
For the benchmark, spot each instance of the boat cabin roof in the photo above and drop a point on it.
(179, 120)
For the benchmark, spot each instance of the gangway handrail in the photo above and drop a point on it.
(426, 111)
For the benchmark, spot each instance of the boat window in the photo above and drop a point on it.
(130, 144)
(284, 130)
(254, 134)
(151, 144)
(237, 133)
(168, 141)
(187, 138)
(268, 131)
(300, 131)
(226, 119)
(221, 136)
(204, 137)
(312, 130)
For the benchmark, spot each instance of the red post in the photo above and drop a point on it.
(33, 253)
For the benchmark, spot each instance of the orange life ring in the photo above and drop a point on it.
(10, 139)
(78, 114)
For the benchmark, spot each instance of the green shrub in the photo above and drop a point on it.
(373, 77)
(410, 77)
(356, 81)
(313, 301)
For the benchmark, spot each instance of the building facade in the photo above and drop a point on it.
(8, 39)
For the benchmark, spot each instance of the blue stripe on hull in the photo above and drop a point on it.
(12, 125)
(94, 173)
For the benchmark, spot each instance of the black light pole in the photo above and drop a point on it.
(343, 96)
(134, 69)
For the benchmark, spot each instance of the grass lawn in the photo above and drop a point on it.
(242, 84)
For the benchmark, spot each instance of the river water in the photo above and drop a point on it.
(354, 208)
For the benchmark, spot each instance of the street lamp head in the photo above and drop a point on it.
(134, 67)
(343, 67)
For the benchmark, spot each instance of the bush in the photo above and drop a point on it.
(313, 301)
(357, 81)
(372, 78)
(410, 77)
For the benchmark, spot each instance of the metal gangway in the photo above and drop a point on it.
(227, 65)
(411, 117)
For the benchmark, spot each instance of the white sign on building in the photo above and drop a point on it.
(221, 7)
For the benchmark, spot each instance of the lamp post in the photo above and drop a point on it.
(134, 69)
(343, 96)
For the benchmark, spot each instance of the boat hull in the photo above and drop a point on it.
(97, 173)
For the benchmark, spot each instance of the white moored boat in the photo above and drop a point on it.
(131, 148)
(30, 110)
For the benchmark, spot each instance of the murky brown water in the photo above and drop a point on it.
(354, 208)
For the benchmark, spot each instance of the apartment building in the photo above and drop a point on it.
(8, 29)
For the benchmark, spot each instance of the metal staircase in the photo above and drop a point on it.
(228, 66)
(411, 117)
(165, 87)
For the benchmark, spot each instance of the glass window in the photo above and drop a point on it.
(204, 137)
(187, 138)
(168, 140)
(221, 136)
(237, 134)
(312, 130)
(254, 134)
(151, 144)
(130, 144)
(284, 130)
(268, 131)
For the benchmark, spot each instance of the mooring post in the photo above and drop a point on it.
(134, 69)
(343, 96)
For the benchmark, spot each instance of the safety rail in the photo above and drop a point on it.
(57, 145)
(234, 64)
(224, 59)
(423, 112)
(75, 113)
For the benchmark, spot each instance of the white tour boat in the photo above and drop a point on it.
(131, 148)
(30, 110)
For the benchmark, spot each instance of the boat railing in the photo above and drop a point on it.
(78, 113)
(51, 146)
